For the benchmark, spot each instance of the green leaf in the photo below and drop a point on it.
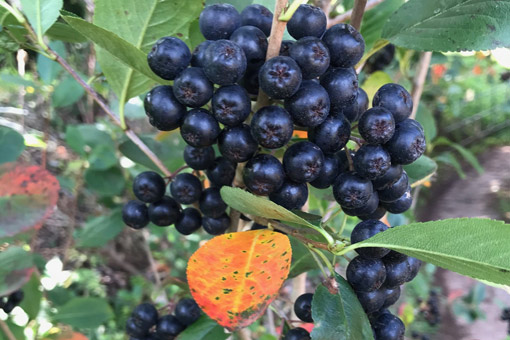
(12, 144)
(31, 303)
(374, 82)
(426, 119)
(86, 136)
(474, 247)
(108, 182)
(48, 69)
(420, 170)
(339, 316)
(41, 13)
(465, 153)
(450, 25)
(16, 267)
(99, 230)
(102, 157)
(302, 260)
(67, 92)
(84, 312)
(374, 20)
(203, 329)
(449, 159)
(63, 32)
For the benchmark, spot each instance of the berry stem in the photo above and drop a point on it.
(324, 259)
(285, 16)
(319, 263)
(176, 172)
(357, 140)
(357, 13)
(419, 80)
(342, 226)
(349, 159)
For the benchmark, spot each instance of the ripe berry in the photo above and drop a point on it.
(211, 204)
(303, 307)
(263, 174)
(145, 315)
(371, 301)
(149, 186)
(237, 144)
(186, 188)
(258, 16)
(401, 205)
(380, 60)
(250, 81)
(165, 112)
(329, 172)
(253, 42)
(16, 297)
(312, 56)
(395, 99)
(198, 55)
(388, 327)
(371, 161)
(218, 21)
(297, 333)
(224, 62)
(199, 128)
(396, 189)
(345, 44)
(367, 209)
(168, 327)
(376, 125)
(135, 214)
(307, 21)
(352, 191)
(341, 85)
(291, 195)
(216, 226)
(280, 77)
(272, 127)
(168, 57)
(366, 275)
(303, 161)
(389, 177)
(354, 110)
(391, 296)
(198, 158)
(407, 143)
(8, 306)
(221, 172)
(285, 47)
(309, 106)
(415, 266)
(187, 311)
(397, 271)
(189, 222)
(364, 230)
(192, 88)
(164, 212)
(332, 134)
(134, 330)
(231, 105)
(378, 213)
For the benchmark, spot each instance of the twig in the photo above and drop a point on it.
(6, 330)
(357, 13)
(121, 262)
(234, 220)
(357, 140)
(244, 334)
(347, 15)
(419, 80)
(154, 269)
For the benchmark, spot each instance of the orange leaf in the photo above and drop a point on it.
(72, 336)
(234, 277)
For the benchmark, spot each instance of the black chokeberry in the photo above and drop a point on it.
(186, 188)
(367, 209)
(199, 128)
(224, 62)
(216, 226)
(256, 226)
(198, 55)
(149, 187)
(332, 134)
(352, 191)
(231, 105)
(371, 161)
(391, 296)
(402, 204)
(396, 99)
(285, 47)
(169, 57)
(303, 307)
(164, 212)
(354, 110)
(345, 44)
(263, 174)
(378, 213)
(395, 190)
(250, 81)
(390, 177)
(221, 172)
(366, 275)
(189, 222)
(133, 329)
(168, 327)
(192, 88)
(303, 161)
(341, 85)
(371, 301)
(165, 112)
(253, 42)
(408, 142)
(16, 297)
(237, 143)
(280, 77)
(135, 214)
(309, 106)
(187, 311)
(258, 16)
(297, 333)
(290, 195)
(272, 127)
(329, 172)
(145, 315)
(364, 230)
(376, 125)
(211, 204)
(312, 56)
(307, 21)
(218, 21)
(198, 158)
(388, 327)
(397, 271)
(415, 266)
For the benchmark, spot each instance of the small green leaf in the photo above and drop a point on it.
(420, 170)
(450, 25)
(67, 92)
(108, 182)
(16, 268)
(84, 312)
(12, 144)
(102, 157)
(31, 302)
(41, 13)
(474, 247)
(99, 230)
(203, 329)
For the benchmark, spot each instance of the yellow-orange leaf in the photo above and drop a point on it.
(234, 277)
(72, 336)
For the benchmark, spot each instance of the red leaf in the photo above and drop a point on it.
(28, 195)
(234, 277)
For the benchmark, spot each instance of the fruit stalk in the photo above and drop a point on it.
(419, 80)
(357, 13)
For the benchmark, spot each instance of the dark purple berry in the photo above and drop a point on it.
(224, 62)
(291, 195)
(258, 16)
(186, 188)
(352, 191)
(149, 187)
(297, 333)
(145, 315)
(165, 112)
(407, 143)
(376, 125)
(395, 99)
(303, 161)
(168, 327)
(329, 172)
(397, 271)
(218, 21)
(371, 161)
(253, 42)
(169, 57)
(391, 296)
(371, 301)
(285, 47)
(187, 311)
(198, 158)
(364, 230)
(211, 204)
(133, 329)
(263, 174)
(367, 209)
(237, 144)
(390, 177)
(216, 226)
(332, 134)
(164, 212)
(312, 56)
(341, 85)
(199, 128)
(378, 213)
(221, 172)
(388, 327)
(280, 77)
(198, 55)
(135, 214)
(272, 127)
(303, 307)
(307, 21)
(366, 275)
(192, 88)
(309, 106)
(396, 189)
(415, 266)
(402, 204)
(345, 44)
(231, 105)
(189, 222)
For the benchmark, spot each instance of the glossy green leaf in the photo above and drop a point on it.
(41, 13)
(31, 302)
(16, 268)
(203, 329)
(474, 247)
(302, 259)
(339, 316)
(98, 231)
(374, 20)
(63, 32)
(108, 182)
(67, 92)
(450, 25)
(420, 170)
(12, 144)
(84, 312)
